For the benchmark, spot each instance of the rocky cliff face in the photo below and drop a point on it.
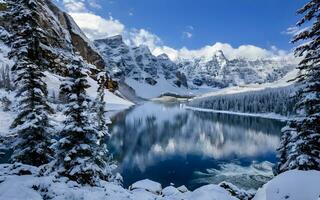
(61, 35)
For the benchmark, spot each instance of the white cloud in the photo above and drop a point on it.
(142, 37)
(74, 5)
(96, 27)
(80, 5)
(250, 52)
(190, 27)
(94, 4)
(186, 34)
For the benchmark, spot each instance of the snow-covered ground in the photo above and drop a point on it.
(20, 182)
(113, 102)
(163, 86)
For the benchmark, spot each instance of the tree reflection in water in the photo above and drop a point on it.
(167, 143)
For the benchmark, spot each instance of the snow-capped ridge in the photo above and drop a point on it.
(214, 71)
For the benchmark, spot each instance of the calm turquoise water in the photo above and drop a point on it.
(171, 145)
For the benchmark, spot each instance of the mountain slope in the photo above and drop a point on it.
(148, 75)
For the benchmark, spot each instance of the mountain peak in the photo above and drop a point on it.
(163, 56)
(220, 58)
(113, 41)
(143, 49)
(112, 38)
(220, 54)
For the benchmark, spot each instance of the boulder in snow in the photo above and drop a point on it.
(169, 191)
(183, 189)
(209, 192)
(147, 185)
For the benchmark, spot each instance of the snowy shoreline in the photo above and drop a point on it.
(32, 186)
(261, 115)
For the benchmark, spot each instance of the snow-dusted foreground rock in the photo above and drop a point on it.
(292, 185)
(20, 182)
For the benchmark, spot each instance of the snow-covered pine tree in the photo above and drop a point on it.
(102, 153)
(80, 156)
(32, 122)
(100, 105)
(300, 145)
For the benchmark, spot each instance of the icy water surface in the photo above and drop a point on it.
(171, 145)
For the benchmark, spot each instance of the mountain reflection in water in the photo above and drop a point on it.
(169, 144)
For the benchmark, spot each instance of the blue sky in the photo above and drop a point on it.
(257, 22)
(194, 24)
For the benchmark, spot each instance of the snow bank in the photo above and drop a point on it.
(292, 185)
(31, 187)
(20, 182)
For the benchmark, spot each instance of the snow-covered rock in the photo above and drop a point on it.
(147, 185)
(170, 191)
(183, 189)
(292, 185)
(236, 192)
(209, 192)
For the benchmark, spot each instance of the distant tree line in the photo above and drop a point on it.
(270, 100)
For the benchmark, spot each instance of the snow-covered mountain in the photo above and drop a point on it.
(149, 75)
(138, 67)
(218, 71)
(138, 63)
